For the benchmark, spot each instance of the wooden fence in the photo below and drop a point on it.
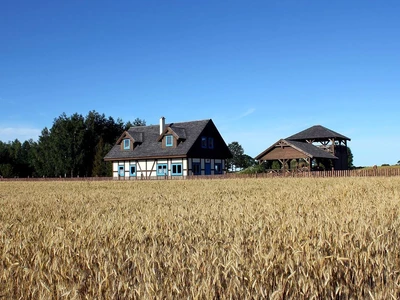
(371, 172)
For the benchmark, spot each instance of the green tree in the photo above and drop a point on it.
(276, 165)
(67, 144)
(247, 161)
(139, 122)
(136, 122)
(99, 165)
(349, 158)
(6, 170)
(237, 156)
(5, 161)
(74, 145)
(43, 157)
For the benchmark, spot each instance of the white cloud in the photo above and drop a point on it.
(11, 133)
(248, 112)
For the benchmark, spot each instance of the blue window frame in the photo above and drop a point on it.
(203, 142)
(211, 143)
(169, 141)
(127, 144)
(196, 168)
(176, 169)
(132, 170)
(121, 171)
(218, 168)
(162, 169)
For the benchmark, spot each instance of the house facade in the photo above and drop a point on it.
(173, 150)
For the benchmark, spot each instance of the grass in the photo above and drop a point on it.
(240, 238)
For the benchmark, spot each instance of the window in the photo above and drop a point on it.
(162, 169)
(169, 141)
(218, 168)
(176, 169)
(127, 144)
(132, 170)
(121, 171)
(203, 142)
(196, 168)
(211, 143)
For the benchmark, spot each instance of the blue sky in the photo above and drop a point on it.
(262, 70)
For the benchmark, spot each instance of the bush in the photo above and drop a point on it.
(253, 169)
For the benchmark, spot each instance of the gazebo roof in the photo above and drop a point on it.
(306, 149)
(317, 132)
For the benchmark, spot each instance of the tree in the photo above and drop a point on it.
(74, 145)
(68, 137)
(237, 156)
(349, 158)
(276, 165)
(247, 161)
(99, 165)
(139, 122)
(136, 122)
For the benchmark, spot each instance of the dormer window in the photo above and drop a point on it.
(127, 144)
(169, 140)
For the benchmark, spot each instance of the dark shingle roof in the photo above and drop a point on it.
(149, 145)
(137, 136)
(317, 132)
(180, 132)
(311, 150)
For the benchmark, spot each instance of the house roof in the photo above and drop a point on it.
(310, 150)
(150, 142)
(178, 132)
(317, 132)
(307, 149)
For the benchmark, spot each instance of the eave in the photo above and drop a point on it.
(145, 157)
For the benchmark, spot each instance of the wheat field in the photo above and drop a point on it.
(277, 238)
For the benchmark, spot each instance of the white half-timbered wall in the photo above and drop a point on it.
(149, 168)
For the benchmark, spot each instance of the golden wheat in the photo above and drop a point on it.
(200, 239)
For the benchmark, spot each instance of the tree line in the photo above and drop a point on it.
(74, 146)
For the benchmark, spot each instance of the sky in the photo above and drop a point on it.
(261, 70)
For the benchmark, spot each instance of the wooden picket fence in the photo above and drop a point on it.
(370, 172)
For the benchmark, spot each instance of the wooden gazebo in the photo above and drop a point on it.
(314, 143)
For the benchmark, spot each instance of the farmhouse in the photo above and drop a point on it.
(311, 145)
(169, 150)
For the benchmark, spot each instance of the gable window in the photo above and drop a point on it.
(218, 168)
(162, 169)
(203, 142)
(211, 143)
(176, 169)
(127, 144)
(196, 168)
(132, 170)
(169, 141)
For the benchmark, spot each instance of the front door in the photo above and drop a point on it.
(207, 169)
(121, 171)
